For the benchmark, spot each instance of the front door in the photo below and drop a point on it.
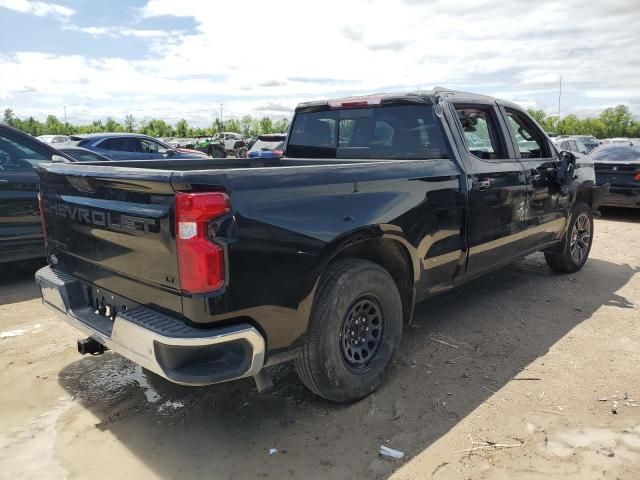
(497, 189)
(546, 202)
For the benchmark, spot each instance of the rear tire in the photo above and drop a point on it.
(354, 331)
(574, 250)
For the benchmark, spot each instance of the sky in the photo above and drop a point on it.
(183, 59)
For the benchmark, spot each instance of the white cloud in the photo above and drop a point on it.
(40, 9)
(283, 51)
(116, 32)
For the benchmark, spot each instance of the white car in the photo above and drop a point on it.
(53, 139)
(616, 140)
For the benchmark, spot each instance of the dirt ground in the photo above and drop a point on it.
(546, 365)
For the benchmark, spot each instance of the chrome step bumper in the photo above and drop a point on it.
(158, 342)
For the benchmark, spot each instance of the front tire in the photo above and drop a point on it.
(217, 152)
(574, 250)
(354, 331)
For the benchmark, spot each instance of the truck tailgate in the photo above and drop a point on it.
(114, 228)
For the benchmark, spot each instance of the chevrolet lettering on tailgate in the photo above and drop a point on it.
(99, 218)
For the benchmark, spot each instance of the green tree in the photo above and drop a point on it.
(8, 117)
(281, 126)
(156, 128)
(266, 125)
(245, 125)
(182, 128)
(616, 121)
(217, 126)
(112, 126)
(129, 123)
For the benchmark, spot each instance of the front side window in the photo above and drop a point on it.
(530, 140)
(480, 131)
(149, 146)
(381, 132)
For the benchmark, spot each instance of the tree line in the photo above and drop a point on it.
(247, 125)
(612, 122)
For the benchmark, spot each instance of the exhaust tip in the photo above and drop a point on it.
(90, 346)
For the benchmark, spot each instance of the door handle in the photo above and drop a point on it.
(534, 175)
(481, 185)
(2, 180)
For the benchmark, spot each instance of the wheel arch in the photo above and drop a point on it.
(391, 252)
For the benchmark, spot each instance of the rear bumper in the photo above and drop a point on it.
(160, 343)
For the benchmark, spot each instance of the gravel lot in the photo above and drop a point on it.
(524, 357)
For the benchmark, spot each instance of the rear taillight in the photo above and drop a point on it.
(200, 260)
(44, 223)
(277, 153)
(636, 177)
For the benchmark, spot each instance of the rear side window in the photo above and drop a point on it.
(120, 144)
(480, 131)
(530, 140)
(386, 132)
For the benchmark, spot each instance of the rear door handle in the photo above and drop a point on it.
(481, 185)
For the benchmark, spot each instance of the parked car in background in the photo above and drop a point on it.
(619, 166)
(53, 139)
(21, 236)
(82, 154)
(589, 141)
(618, 140)
(571, 144)
(128, 146)
(179, 142)
(268, 146)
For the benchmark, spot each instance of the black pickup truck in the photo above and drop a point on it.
(205, 271)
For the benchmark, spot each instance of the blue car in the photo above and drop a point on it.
(130, 146)
(268, 146)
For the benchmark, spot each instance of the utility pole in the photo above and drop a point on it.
(559, 98)
(65, 114)
(221, 120)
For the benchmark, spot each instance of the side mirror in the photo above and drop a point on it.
(169, 153)
(566, 168)
(58, 159)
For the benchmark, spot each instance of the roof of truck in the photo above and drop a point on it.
(416, 96)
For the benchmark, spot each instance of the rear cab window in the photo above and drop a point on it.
(480, 131)
(379, 132)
